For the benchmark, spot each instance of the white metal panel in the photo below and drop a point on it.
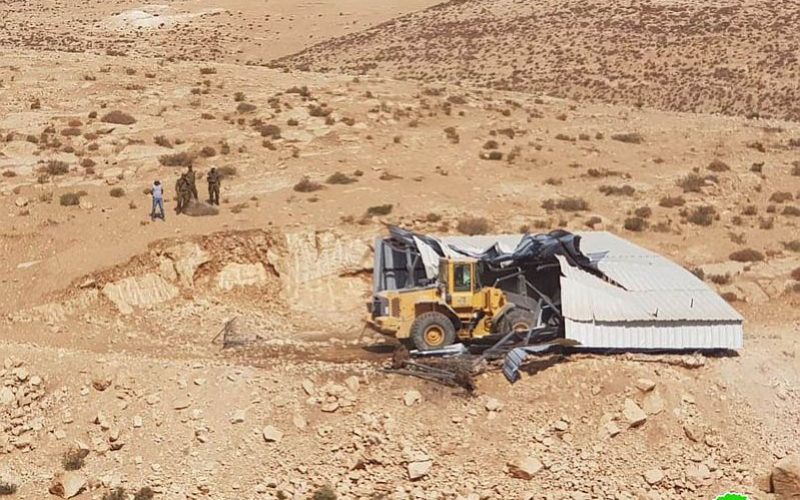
(656, 335)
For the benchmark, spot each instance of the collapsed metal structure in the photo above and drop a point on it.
(598, 291)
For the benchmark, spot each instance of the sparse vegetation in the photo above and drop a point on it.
(566, 204)
(208, 152)
(718, 166)
(226, 171)
(306, 185)
(635, 224)
(145, 493)
(693, 183)
(117, 192)
(55, 167)
(7, 488)
(118, 118)
(793, 245)
(182, 159)
(643, 212)
(115, 494)
(473, 226)
(162, 141)
(208, 71)
(781, 197)
(73, 459)
(702, 215)
(380, 210)
(672, 201)
(630, 138)
(339, 178)
(245, 107)
(747, 255)
(624, 190)
(324, 493)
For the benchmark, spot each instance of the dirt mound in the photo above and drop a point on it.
(664, 55)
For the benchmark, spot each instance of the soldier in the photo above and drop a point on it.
(192, 185)
(183, 193)
(213, 186)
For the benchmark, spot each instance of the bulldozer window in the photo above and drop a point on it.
(462, 278)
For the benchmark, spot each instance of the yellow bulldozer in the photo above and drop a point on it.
(456, 307)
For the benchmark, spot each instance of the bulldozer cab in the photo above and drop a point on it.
(459, 281)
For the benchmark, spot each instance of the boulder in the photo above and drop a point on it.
(786, 477)
(234, 275)
(645, 384)
(411, 397)
(67, 484)
(139, 291)
(419, 469)
(633, 413)
(6, 396)
(652, 403)
(524, 467)
(653, 476)
(271, 434)
(187, 257)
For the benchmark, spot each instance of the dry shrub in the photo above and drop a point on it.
(7, 488)
(145, 493)
(635, 224)
(9, 173)
(624, 190)
(747, 255)
(117, 192)
(795, 274)
(73, 459)
(750, 210)
(643, 212)
(71, 132)
(694, 183)
(433, 217)
(319, 111)
(306, 185)
(793, 245)
(553, 181)
(208, 71)
(757, 146)
(757, 168)
(380, 210)
(55, 167)
(245, 107)
(795, 169)
(567, 204)
(239, 97)
(339, 178)
(472, 226)
(781, 197)
(115, 494)
(303, 91)
(672, 201)
(766, 223)
(718, 166)
(270, 130)
(702, 215)
(118, 118)
(162, 141)
(791, 211)
(564, 137)
(491, 144)
(630, 138)
(491, 155)
(324, 493)
(199, 209)
(208, 152)
(720, 279)
(182, 159)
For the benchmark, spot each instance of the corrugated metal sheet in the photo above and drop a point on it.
(658, 305)
(478, 244)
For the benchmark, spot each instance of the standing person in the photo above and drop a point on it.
(191, 179)
(158, 201)
(213, 186)
(181, 186)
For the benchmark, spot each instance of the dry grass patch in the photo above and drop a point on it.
(473, 226)
(380, 210)
(718, 166)
(635, 224)
(306, 185)
(624, 190)
(672, 201)
(182, 159)
(118, 118)
(630, 138)
(747, 255)
(573, 204)
(703, 215)
(339, 178)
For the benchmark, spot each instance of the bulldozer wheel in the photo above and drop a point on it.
(517, 320)
(432, 330)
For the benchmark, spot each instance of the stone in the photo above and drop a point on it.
(21, 202)
(182, 403)
(137, 422)
(653, 476)
(21, 374)
(352, 383)
(524, 467)
(698, 473)
(308, 387)
(330, 407)
(36, 381)
(271, 434)
(611, 429)
(187, 258)
(493, 404)
(693, 432)
(652, 403)
(419, 469)
(235, 275)
(786, 477)
(238, 417)
(412, 397)
(85, 204)
(139, 291)
(633, 414)
(561, 426)
(67, 484)
(6, 396)
(299, 422)
(101, 383)
(645, 384)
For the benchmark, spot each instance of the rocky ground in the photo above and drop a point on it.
(222, 354)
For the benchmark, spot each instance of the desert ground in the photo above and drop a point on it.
(222, 353)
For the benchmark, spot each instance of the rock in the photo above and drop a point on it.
(271, 434)
(693, 432)
(411, 397)
(21, 202)
(698, 473)
(561, 426)
(652, 403)
(36, 381)
(308, 387)
(352, 383)
(139, 291)
(654, 476)
(85, 204)
(67, 484)
(524, 467)
(612, 429)
(21, 374)
(786, 477)
(137, 422)
(182, 403)
(330, 407)
(493, 404)
(299, 422)
(633, 414)
(238, 417)
(645, 384)
(234, 275)
(420, 469)
(188, 257)
(6, 396)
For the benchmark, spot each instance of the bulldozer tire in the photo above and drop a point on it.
(518, 320)
(432, 330)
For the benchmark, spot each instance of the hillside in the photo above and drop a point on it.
(711, 57)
